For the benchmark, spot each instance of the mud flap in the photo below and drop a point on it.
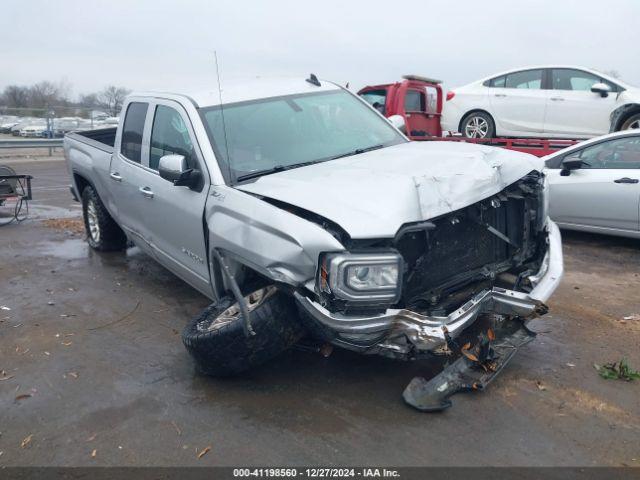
(474, 370)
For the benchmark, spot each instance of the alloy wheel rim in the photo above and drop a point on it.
(232, 313)
(92, 220)
(635, 124)
(477, 127)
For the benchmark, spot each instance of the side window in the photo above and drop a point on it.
(498, 82)
(169, 135)
(567, 79)
(530, 79)
(131, 144)
(377, 99)
(621, 153)
(414, 101)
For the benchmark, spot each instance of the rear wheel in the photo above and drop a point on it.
(103, 233)
(478, 125)
(632, 122)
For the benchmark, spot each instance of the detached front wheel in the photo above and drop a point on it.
(217, 342)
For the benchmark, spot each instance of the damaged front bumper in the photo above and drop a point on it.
(398, 332)
(407, 334)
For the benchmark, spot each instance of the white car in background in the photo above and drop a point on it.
(594, 186)
(546, 101)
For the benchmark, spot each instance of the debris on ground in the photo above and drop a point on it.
(92, 437)
(175, 425)
(27, 440)
(204, 451)
(617, 371)
(4, 307)
(72, 225)
(540, 386)
(24, 396)
(94, 452)
(4, 375)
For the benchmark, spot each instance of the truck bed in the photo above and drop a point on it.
(88, 156)
(102, 138)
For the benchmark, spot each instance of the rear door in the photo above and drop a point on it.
(170, 218)
(518, 102)
(125, 170)
(573, 109)
(605, 192)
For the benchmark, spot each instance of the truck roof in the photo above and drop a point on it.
(255, 89)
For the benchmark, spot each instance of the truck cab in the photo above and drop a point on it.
(418, 100)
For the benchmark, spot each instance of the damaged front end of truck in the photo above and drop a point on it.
(470, 280)
(452, 265)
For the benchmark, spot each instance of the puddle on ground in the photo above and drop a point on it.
(70, 249)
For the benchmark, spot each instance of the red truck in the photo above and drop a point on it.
(419, 100)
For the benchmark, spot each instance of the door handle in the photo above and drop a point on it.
(500, 95)
(626, 180)
(557, 99)
(146, 191)
(115, 176)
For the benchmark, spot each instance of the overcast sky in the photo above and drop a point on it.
(161, 44)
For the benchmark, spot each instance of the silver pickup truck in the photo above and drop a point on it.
(301, 211)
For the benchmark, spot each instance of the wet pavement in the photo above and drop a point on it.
(96, 374)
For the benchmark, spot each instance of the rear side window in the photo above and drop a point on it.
(131, 145)
(497, 82)
(169, 136)
(377, 99)
(530, 79)
(414, 101)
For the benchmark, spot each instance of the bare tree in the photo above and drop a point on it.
(111, 99)
(15, 96)
(45, 94)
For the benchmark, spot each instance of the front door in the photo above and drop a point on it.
(605, 192)
(164, 219)
(573, 109)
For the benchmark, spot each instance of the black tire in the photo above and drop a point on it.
(632, 122)
(478, 125)
(225, 351)
(103, 233)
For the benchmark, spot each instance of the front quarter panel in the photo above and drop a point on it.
(268, 239)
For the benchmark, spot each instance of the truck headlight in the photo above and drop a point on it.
(362, 277)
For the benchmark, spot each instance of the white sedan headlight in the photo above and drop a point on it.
(359, 277)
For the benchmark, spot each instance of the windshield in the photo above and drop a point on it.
(283, 132)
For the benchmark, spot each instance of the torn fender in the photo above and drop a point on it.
(268, 239)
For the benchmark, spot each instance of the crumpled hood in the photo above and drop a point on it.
(373, 194)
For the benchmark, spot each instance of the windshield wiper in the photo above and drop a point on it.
(276, 169)
(358, 151)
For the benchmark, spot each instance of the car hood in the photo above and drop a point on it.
(371, 195)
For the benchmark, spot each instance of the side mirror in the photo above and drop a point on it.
(174, 169)
(398, 122)
(569, 164)
(602, 88)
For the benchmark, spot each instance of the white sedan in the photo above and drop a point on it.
(594, 186)
(548, 101)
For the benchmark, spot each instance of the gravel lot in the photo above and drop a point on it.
(95, 372)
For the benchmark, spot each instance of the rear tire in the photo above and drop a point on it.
(632, 122)
(217, 342)
(103, 233)
(478, 125)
